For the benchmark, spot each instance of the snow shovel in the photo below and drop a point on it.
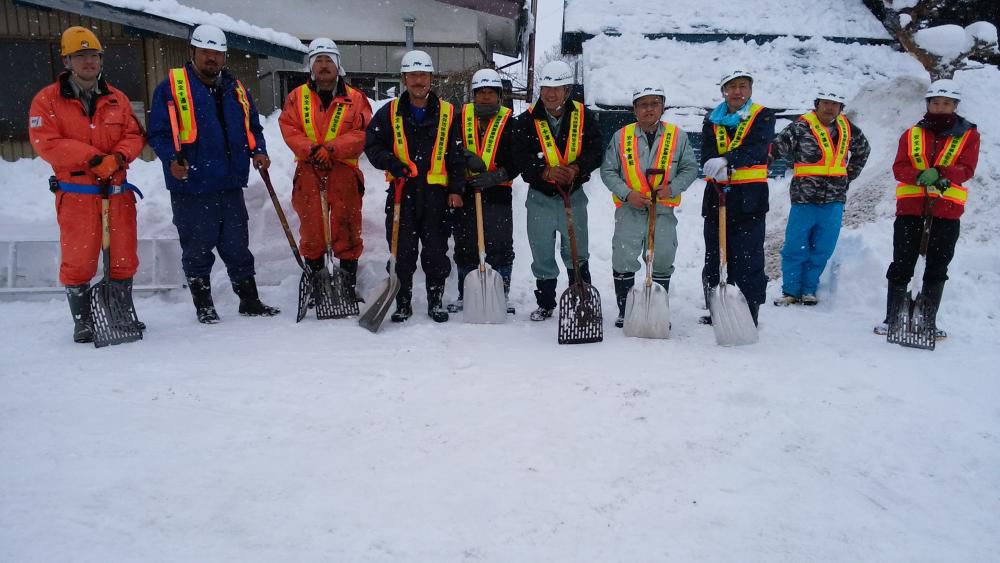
(647, 311)
(730, 312)
(386, 291)
(580, 319)
(908, 325)
(306, 285)
(333, 301)
(112, 310)
(485, 301)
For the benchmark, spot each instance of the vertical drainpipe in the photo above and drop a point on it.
(408, 22)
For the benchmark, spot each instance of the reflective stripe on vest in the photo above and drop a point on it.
(306, 112)
(180, 87)
(574, 140)
(834, 161)
(917, 141)
(437, 174)
(181, 90)
(723, 144)
(487, 150)
(634, 175)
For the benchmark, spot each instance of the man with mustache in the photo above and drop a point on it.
(324, 122)
(220, 134)
(418, 137)
(829, 152)
(85, 129)
(558, 146)
(734, 155)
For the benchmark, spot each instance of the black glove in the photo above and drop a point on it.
(488, 179)
(473, 163)
(398, 169)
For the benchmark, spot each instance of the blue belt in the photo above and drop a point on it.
(96, 190)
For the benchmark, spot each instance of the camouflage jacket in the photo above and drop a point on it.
(796, 143)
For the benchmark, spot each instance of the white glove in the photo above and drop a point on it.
(716, 168)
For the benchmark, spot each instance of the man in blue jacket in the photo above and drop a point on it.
(734, 152)
(206, 112)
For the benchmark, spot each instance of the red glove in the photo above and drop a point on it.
(321, 158)
(104, 167)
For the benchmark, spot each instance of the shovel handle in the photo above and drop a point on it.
(325, 205)
(397, 188)
(722, 231)
(480, 235)
(266, 176)
(651, 234)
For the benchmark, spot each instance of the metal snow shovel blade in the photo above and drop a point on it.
(386, 291)
(112, 311)
(647, 311)
(731, 318)
(485, 301)
(333, 301)
(908, 325)
(580, 319)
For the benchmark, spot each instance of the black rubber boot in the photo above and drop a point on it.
(932, 293)
(350, 269)
(754, 309)
(584, 273)
(201, 294)
(505, 273)
(250, 303)
(404, 306)
(435, 310)
(545, 296)
(314, 265)
(458, 305)
(78, 297)
(623, 284)
(664, 282)
(706, 319)
(894, 299)
(124, 288)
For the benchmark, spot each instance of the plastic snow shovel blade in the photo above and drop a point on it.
(580, 319)
(908, 326)
(385, 295)
(305, 293)
(113, 316)
(647, 312)
(484, 299)
(333, 301)
(731, 317)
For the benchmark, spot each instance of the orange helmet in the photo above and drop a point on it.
(76, 39)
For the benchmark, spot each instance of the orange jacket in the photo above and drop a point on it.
(65, 137)
(349, 143)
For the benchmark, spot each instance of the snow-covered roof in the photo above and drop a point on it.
(787, 71)
(167, 17)
(170, 9)
(827, 18)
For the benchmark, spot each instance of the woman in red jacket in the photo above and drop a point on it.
(86, 130)
(936, 157)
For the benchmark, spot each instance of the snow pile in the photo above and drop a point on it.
(946, 41)
(830, 18)
(170, 9)
(787, 71)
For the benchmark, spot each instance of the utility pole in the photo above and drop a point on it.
(531, 52)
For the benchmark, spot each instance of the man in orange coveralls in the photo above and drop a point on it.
(85, 129)
(323, 122)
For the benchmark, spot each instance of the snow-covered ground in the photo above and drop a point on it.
(267, 440)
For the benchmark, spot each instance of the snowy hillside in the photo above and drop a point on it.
(266, 440)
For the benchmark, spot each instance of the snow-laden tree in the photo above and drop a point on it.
(933, 32)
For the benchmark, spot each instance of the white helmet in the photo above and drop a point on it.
(945, 87)
(648, 91)
(486, 78)
(556, 73)
(324, 46)
(738, 73)
(208, 36)
(831, 94)
(416, 61)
